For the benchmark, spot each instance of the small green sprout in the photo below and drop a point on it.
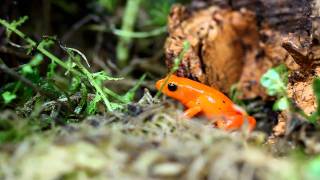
(177, 61)
(275, 81)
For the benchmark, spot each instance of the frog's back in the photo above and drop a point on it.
(211, 100)
(208, 91)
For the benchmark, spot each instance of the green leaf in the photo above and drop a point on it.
(75, 84)
(281, 104)
(92, 106)
(29, 67)
(8, 97)
(36, 60)
(274, 82)
(283, 72)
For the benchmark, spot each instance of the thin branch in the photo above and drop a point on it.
(6, 50)
(25, 81)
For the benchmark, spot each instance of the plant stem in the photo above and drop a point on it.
(128, 21)
(40, 48)
(130, 34)
(114, 95)
(94, 84)
(177, 61)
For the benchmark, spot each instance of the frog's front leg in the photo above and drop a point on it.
(193, 109)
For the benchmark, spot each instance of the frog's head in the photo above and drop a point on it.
(179, 88)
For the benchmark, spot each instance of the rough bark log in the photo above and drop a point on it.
(283, 15)
(236, 41)
(227, 47)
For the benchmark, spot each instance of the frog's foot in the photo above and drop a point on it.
(235, 122)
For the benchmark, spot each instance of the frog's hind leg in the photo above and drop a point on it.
(234, 122)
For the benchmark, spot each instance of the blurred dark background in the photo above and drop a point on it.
(87, 26)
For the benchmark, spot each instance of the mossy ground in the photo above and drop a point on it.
(153, 144)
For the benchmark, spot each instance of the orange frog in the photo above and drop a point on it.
(199, 98)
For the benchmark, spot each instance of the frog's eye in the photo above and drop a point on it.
(172, 87)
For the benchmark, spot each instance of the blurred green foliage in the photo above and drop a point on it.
(109, 5)
(159, 11)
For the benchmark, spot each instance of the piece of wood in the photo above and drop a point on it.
(283, 15)
(236, 41)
